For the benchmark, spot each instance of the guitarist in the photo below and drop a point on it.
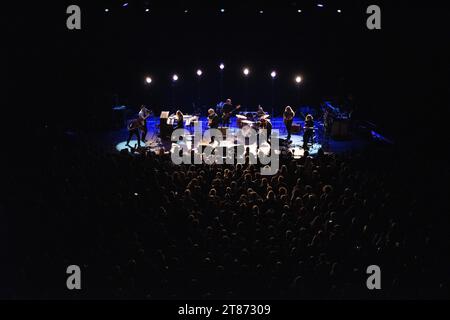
(143, 115)
(288, 118)
(133, 129)
(228, 109)
(213, 121)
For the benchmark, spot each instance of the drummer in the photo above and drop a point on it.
(260, 112)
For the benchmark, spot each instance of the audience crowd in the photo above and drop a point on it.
(141, 227)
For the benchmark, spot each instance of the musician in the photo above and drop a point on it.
(288, 118)
(308, 132)
(266, 124)
(213, 121)
(144, 113)
(227, 110)
(133, 129)
(180, 120)
(260, 112)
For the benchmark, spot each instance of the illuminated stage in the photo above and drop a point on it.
(155, 144)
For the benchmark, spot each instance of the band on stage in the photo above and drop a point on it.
(222, 117)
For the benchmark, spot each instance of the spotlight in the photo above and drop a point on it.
(222, 10)
(246, 71)
(125, 4)
(106, 10)
(175, 77)
(148, 80)
(339, 10)
(299, 11)
(320, 5)
(261, 11)
(298, 79)
(273, 74)
(199, 72)
(186, 11)
(147, 10)
(222, 66)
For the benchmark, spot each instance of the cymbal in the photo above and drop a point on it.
(266, 116)
(239, 116)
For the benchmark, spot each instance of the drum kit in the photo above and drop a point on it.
(247, 121)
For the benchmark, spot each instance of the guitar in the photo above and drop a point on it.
(213, 121)
(135, 124)
(226, 115)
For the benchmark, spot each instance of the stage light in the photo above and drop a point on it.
(222, 10)
(273, 74)
(147, 10)
(246, 71)
(298, 79)
(186, 11)
(339, 10)
(125, 4)
(261, 11)
(175, 77)
(222, 66)
(106, 10)
(199, 72)
(320, 5)
(299, 11)
(148, 80)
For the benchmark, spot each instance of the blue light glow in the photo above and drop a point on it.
(123, 145)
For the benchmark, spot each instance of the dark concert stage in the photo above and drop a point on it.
(358, 139)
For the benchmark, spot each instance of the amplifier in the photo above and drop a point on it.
(296, 127)
(340, 129)
(164, 129)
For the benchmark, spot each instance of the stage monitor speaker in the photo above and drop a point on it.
(164, 129)
(340, 129)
